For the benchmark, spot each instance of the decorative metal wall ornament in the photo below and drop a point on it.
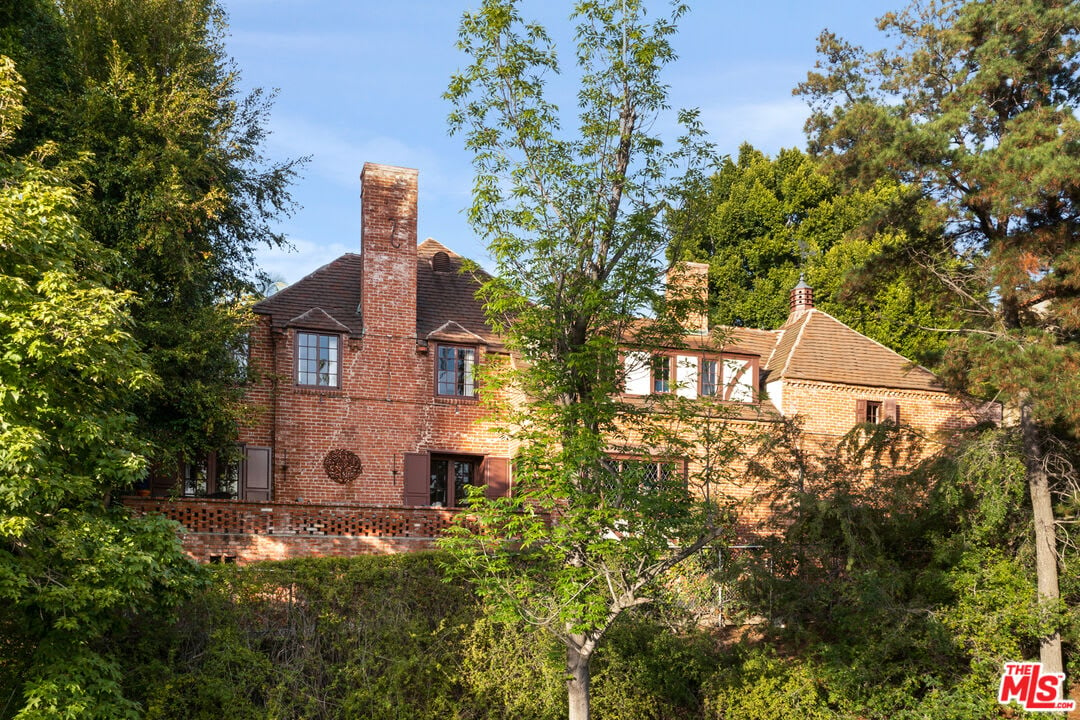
(342, 466)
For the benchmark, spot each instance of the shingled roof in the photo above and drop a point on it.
(814, 345)
(329, 299)
(446, 304)
(334, 288)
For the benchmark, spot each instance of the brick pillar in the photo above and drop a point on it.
(388, 248)
(689, 282)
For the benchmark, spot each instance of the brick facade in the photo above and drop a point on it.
(346, 366)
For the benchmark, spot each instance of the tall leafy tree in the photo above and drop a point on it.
(71, 565)
(761, 223)
(976, 107)
(600, 509)
(143, 92)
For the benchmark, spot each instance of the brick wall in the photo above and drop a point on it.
(385, 405)
(828, 409)
(227, 530)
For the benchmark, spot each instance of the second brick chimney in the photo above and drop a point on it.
(388, 250)
(688, 282)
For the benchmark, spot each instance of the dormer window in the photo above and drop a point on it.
(318, 357)
(455, 372)
(732, 378)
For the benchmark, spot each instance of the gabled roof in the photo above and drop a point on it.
(329, 299)
(444, 296)
(814, 345)
(334, 288)
(317, 319)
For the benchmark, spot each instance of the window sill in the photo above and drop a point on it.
(457, 399)
(316, 390)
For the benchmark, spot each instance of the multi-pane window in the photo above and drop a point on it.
(317, 359)
(214, 475)
(648, 475)
(661, 374)
(873, 412)
(708, 378)
(630, 477)
(456, 371)
(877, 411)
(449, 478)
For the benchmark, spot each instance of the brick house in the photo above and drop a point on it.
(365, 424)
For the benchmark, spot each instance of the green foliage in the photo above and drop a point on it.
(387, 637)
(757, 685)
(976, 108)
(175, 187)
(72, 568)
(901, 594)
(513, 670)
(761, 223)
(365, 637)
(573, 221)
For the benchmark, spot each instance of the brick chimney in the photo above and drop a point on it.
(689, 282)
(388, 250)
(802, 297)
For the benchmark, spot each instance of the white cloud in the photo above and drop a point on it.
(339, 159)
(768, 126)
(305, 258)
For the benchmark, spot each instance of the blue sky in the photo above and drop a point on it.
(359, 81)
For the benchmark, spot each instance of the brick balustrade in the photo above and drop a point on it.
(232, 531)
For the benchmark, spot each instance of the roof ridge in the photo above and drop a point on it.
(908, 360)
(440, 246)
(798, 338)
(779, 339)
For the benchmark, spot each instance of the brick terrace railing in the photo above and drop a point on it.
(200, 515)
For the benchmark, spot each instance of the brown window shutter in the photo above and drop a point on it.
(417, 479)
(860, 411)
(892, 411)
(496, 477)
(255, 481)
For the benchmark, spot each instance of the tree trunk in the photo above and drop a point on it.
(1046, 569)
(577, 682)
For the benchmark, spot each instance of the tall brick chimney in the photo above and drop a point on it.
(689, 282)
(802, 297)
(388, 250)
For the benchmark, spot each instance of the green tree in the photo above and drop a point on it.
(574, 225)
(71, 565)
(975, 107)
(761, 223)
(142, 91)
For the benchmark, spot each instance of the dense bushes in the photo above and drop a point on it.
(386, 638)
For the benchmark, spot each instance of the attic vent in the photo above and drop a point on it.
(440, 262)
